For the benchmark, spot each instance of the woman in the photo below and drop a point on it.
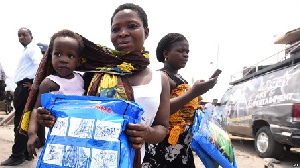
(175, 150)
(129, 30)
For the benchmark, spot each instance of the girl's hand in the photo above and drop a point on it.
(137, 133)
(32, 143)
(45, 118)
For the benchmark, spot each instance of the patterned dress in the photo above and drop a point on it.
(175, 150)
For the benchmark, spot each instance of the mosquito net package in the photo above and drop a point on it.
(89, 132)
(211, 142)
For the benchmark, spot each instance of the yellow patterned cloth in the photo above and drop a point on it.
(184, 116)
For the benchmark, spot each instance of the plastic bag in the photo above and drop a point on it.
(88, 132)
(211, 142)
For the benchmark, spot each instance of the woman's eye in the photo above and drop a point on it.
(115, 29)
(132, 26)
(183, 51)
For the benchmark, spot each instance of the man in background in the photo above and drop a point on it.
(24, 75)
(2, 83)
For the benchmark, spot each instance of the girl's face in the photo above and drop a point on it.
(127, 31)
(178, 56)
(65, 56)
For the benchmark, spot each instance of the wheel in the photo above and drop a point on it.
(265, 145)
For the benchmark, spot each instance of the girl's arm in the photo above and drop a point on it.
(45, 87)
(33, 140)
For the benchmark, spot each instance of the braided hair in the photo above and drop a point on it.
(139, 10)
(165, 44)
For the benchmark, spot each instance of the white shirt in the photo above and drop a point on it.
(28, 63)
(148, 97)
(2, 73)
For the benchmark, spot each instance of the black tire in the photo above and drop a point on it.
(265, 145)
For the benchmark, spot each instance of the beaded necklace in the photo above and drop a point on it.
(177, 78)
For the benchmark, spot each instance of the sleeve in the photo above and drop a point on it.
(2, 73)
(35, 54)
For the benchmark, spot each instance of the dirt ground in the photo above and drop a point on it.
(244, 153)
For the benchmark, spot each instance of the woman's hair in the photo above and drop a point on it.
(139, 10)
(67, 33)
(165, 44)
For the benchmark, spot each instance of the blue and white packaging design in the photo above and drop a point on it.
(89, 132)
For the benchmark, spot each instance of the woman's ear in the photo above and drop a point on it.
(146, 33)
(166, 55)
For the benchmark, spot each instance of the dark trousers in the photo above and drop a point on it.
(21, 93)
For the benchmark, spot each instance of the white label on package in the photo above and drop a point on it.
(81, 128)
(107, 131)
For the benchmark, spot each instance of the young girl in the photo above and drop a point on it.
(65, 50)
(175, 150)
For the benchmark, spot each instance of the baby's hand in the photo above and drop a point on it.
(32, 142)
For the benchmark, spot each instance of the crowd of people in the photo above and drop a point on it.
(162, 139)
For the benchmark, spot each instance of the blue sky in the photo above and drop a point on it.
(244, 30)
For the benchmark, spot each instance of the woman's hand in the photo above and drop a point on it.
(200, 87)
(32, 143)
(45, 118)
(137, 134)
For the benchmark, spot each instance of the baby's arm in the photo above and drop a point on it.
(33, 140)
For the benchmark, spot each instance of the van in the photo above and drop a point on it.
(265, 105)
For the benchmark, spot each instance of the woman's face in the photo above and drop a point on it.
(127, 31)
(177, 56)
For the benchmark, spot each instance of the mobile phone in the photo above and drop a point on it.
(216, 73)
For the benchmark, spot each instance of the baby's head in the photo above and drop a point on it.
(66, 48)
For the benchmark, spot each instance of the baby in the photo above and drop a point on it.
(65, 49)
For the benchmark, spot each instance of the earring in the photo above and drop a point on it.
(165, 59)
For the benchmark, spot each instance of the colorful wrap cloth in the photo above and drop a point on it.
(110, 67)
(184, 116)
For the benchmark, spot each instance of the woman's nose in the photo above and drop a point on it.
(123, 33)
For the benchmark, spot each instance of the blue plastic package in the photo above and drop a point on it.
(211, 142)
(89, 132)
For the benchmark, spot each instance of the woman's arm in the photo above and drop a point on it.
(140, 133)
(200, 87)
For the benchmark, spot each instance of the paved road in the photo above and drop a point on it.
(244, 152)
